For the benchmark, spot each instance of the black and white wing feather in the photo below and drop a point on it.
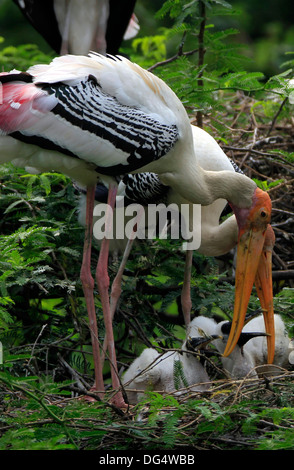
(105, 111)
(135, 137)
(144, 188)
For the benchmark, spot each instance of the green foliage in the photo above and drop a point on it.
(192, 73)
(182, 11)
(180, 380)
(265, 185)
(281, 418)
(278, 440)
(26, 253)
(153, 47)
(22, 57)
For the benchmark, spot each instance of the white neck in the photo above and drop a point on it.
(217, 240)
(204, 187)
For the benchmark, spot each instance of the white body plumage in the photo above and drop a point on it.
(157, 372)
(257, 347)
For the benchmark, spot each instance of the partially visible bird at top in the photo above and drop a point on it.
(78, 27)
(101, 117)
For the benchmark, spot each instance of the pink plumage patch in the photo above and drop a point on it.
(21, 103)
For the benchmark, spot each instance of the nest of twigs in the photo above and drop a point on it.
(231, 414)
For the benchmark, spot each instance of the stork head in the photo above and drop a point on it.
(255, 244)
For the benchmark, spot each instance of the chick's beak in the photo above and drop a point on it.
(252, 266)
(201, 341)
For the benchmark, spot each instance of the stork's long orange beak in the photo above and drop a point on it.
(253, 265)
(264, 288)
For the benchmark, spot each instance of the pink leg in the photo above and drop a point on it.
(116, 285)
(103, 286)
(88, 287)
(186, 290)
(116, 288)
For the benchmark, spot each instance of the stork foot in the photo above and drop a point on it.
(92, 395)
(119, 402)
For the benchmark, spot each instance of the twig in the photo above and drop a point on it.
(180, 53)
(35, 343)
(171, 59)
(80, 381)
(285, 183)
(35, 397)
(257, 152)
(283, 274)
(276, 116)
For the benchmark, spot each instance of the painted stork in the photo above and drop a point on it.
(94, 117)
(75, 27)
(249, 358)
(216, 238)
(157, 372)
